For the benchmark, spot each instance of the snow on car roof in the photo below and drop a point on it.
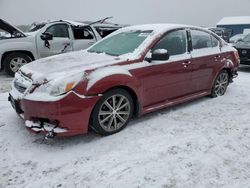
(234, 20)
(158, 28)
(154, 27)
(74, 23)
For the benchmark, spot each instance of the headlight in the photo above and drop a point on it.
(63, 85)
(61, 88)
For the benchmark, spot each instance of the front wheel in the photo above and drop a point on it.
(220, 84)
(14, 61)
(113, 112)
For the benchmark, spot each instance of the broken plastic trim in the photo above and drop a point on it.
(40, 126)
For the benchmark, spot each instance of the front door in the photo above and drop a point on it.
(60, 43)
(168, 80)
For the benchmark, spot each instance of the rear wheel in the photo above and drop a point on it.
(113, 112)
(14, 61)
(220, 84)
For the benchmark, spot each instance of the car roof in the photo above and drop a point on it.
(73, 23)
(160, 28)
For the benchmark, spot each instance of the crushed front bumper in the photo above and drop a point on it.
(66, 117)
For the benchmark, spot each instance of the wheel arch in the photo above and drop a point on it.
(118, 81)
(26, 52)
(133, 94)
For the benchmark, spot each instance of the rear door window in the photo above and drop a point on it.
(200, 40)
(83, 33)
(204, 43)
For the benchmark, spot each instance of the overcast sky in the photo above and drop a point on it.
(196, 12)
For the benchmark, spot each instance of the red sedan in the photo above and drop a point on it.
(134, 71)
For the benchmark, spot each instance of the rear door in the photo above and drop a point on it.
(60, 43)
(84, 37)
(167, 80)
(206, 58)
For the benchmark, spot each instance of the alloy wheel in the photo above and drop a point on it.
(16, 63)
(221, 84)
(114, 113)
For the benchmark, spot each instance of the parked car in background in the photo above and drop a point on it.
(243, 47)
(45, 39)
(222, 32)
(236, 38)
(236, 24)
(133, 71)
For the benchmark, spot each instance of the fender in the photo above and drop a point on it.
(228, 65)
(19, 44)
(101, 80)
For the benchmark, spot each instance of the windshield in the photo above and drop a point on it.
(246, 38)
(35, 27)
(121, 43)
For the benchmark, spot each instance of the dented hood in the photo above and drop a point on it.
(67, 64)
(11, 29)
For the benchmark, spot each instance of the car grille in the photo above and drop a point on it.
(244, 53)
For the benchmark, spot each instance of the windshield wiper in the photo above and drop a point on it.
(97, 52)
(110, 54)
(100, 52)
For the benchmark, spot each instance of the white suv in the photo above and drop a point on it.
(45, 39)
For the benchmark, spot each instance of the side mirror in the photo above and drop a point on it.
(46, 36)
(160, 55)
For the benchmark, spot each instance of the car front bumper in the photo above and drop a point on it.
(67, 116)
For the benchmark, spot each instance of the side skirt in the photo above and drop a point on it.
(165, 104)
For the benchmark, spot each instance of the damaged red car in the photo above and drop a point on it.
(133, 71)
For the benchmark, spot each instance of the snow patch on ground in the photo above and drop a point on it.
(204, 143)
(5, 82)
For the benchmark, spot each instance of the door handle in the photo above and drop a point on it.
(186, 63)
(217, 57)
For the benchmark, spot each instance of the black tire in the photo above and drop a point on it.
(220, 84)
(113, 116)
(8, 65)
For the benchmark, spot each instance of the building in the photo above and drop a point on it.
(237, 25)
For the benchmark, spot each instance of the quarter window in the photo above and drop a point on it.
(200, 40)
(59, 30)
(175, 43)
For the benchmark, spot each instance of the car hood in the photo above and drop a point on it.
(67, 64)
(240, 45)
(11, 29)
